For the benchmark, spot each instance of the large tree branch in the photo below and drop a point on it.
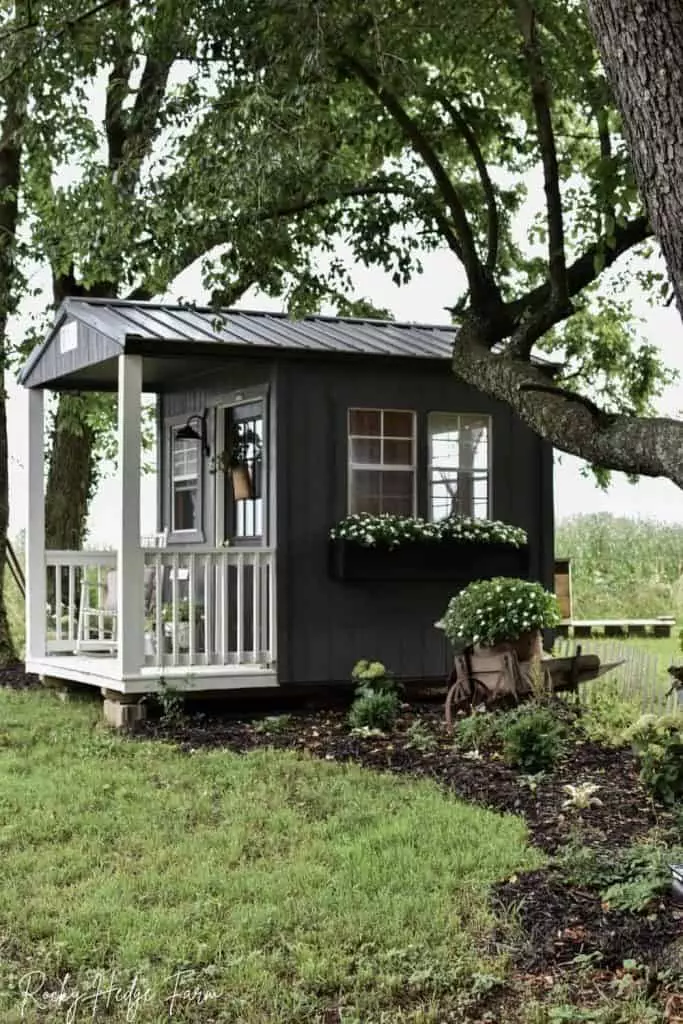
(540, 95)
(537, 305)
(647, 446)
(480, 285)
(472, 144)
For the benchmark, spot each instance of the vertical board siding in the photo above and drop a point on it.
(326, 625)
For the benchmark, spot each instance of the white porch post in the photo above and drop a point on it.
(130, 601)
(36, 593)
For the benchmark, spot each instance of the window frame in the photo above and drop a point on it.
(196, 533)
(381, 467)
(489, 458)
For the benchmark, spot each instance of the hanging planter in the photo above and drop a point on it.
(242, 462)
(242, 484)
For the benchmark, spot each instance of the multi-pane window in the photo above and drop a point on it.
(248, 508)
(381, 446)
(459, 465)
(185, 483)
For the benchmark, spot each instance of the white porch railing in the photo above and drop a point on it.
(202, 607)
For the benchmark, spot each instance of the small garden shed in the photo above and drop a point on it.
(271, 432)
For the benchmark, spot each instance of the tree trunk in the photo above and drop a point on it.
(72, 476)
(641, 43)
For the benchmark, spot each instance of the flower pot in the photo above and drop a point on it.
(528, 645)
(455, 561)
(242, 487)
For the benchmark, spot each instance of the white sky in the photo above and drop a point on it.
(423, 300)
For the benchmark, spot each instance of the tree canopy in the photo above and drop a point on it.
(401, 127)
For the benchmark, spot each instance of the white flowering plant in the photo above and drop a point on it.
(490, 612)
(392, 531)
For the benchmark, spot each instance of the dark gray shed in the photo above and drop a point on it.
(332, 415)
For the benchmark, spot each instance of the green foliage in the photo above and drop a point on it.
(374, 709)
(273, 724)
(533, 738)
(420, 737)
(658, 744)
(488, 612)
(622, 567)
(373, 675)
(608, 714)
(387, 530)
(627, 878)
(477, 731)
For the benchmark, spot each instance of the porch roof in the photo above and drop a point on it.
(89, 334)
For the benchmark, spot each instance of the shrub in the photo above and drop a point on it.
(373, 675)
(489, 612)
(608, 714)
(658, 744)
(479, 729)
(374, 709)
(627, 879)
(533, 738)
(420, 738)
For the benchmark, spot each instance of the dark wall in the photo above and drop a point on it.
(326, 625)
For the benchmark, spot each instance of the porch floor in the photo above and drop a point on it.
(103, 671)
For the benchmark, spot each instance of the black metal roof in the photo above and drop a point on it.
(109, 324)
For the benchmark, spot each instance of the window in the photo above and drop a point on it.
(381, 461)
(185, 484)
(247, 513)
(459, 466)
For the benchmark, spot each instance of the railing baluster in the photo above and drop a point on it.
(209, 607)
(240, 609)
(225, 609)
(159, 609)
(272, 620)
(256, 609)
(71, 621)
(174, 610)
(58, 602)
(191, 608)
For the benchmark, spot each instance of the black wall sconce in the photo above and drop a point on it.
(189, 433)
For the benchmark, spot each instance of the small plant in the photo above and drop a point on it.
(533, 738)
(420, 737)
(658, 744)
(374, 709)
(531, 782)
(182, 611)
(489, 612)
(373, 675)
(391, 531)
(171, 702)
(478, 730)
(582, 796)
(273, 724)
(627, 879)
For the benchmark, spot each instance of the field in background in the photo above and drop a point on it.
(623, 567)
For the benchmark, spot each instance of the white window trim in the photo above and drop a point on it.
(489, 459)
(196, 532)
(379, 467)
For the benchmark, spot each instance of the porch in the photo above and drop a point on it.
(208, 620)
(196, 612)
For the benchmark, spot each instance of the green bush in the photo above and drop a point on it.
(627, 879)
(658, 744)
(533, 738)
(479, 729)
(374, 709)
(608, 714)
(488, 612)
(374, 676)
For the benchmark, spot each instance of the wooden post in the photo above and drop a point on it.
(36, 591)
(130, 600)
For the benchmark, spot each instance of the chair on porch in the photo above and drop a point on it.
(101, 615)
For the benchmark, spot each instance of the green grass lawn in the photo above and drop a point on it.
(280, 885)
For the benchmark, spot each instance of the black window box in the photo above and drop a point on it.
(453, 560)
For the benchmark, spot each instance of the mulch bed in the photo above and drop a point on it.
(558, 922)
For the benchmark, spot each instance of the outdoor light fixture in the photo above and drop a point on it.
(189, 433)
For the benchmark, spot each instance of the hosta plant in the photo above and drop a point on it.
(391, 531)
(490, 612)
(658, 744)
